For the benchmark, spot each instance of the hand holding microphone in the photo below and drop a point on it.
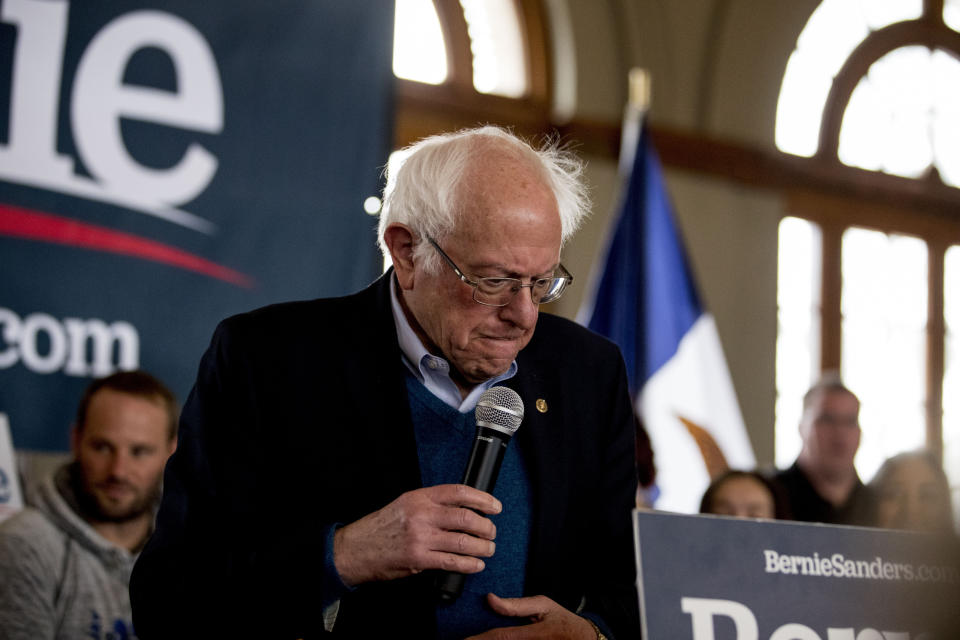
(498, 414)
(441, 527)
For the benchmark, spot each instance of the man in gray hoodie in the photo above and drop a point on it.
(65, 561)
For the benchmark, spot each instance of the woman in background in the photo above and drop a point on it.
(745, 494)
(912, 493)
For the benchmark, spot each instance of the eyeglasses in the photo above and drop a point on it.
(499, 292)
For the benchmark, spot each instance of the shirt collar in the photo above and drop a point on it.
(433, 371)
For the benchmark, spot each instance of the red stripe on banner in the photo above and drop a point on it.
(45, 227)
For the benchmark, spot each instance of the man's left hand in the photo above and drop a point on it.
(547, 619)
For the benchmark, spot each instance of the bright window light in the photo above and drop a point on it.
(496, 45)
(800, 107)
(888, 121)
(798, 334)
(419, 52)
(883, 359)
(498, 57)
(951, 14)
(945, 125)
(904, 116)
(834, 29)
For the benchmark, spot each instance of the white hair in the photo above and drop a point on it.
(424, 191)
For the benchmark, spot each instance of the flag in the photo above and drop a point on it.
(645, 299)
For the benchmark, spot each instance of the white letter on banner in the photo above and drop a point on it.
(702, 610)
(35, 89)
(100, 100)
(794, 632)
(771, 557)
(12, 329)
(103, 338)
(32, 326)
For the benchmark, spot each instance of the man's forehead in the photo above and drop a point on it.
(839, 397)
(110, 408)
(833, 397)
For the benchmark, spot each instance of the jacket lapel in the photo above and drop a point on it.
(543, 448)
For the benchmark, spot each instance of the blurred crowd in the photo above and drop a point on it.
(909, 491)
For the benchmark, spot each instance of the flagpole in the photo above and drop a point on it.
(634, 113)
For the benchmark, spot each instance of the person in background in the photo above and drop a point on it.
(823, 485)
(912, 493)
(744, 494)
(317, 484)
(65, 562)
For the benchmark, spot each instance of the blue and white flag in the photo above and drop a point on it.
(646, 301)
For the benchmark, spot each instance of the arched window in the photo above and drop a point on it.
(873, 289)
(460, 63)
(876, 85)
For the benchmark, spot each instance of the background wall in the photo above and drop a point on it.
(716, 69)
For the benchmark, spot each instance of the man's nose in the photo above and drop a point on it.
(521, 311)
(119, 464)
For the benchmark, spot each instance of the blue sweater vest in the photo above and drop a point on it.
(444, 440)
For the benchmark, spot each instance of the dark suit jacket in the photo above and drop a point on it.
(299, 419)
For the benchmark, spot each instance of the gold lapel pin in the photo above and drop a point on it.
(541, 405)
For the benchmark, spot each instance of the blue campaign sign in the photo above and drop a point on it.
(166, 163)
(718, 578)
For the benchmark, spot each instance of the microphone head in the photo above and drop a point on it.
(501, 409)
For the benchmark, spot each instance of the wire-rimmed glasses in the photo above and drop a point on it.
(500, 291)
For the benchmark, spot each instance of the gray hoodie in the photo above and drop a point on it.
(58, 577)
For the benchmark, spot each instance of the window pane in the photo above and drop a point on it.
(946, 116)
(951, 378)
(883, 334)
(888, 122)
(499, 64)
(951, 14)
(800, 106)
(798, 329)
(834, 29)
(419, 52)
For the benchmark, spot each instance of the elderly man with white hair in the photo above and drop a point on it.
(317, 488)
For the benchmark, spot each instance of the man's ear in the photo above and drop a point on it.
(400, 241)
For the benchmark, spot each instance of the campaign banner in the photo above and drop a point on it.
(167, 163)
(719, 578)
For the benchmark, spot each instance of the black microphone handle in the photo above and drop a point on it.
(481, 473)
(485, 458)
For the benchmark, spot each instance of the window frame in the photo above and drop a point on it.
(834, 215)
(924, 208)
(423, 109)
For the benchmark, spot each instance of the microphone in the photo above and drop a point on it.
(498, 414)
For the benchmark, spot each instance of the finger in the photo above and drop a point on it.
(454, 562)
(460, 495)
(462, 544)
(466, 520)
(534, 607)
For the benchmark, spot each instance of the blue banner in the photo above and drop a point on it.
(717, 578)
(165, 164)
